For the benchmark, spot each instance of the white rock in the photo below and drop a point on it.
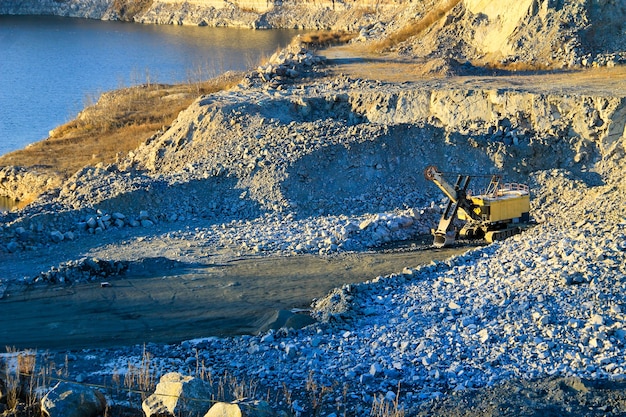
(452, 305)
(66, 399)
(268, 338)
(483, 335)
(596, 320)
(375, 369)
(171, 391)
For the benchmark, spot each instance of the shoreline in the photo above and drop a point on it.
(249, 14)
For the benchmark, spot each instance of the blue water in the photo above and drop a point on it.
(51, 67)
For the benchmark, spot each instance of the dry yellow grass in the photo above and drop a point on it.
(518, 66)
(326, 38)
(112, 127)
(414, 27)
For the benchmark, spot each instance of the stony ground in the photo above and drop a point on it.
(544, 306)
(323, 154)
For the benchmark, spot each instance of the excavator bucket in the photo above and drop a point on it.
(444, 239)
(445, 235)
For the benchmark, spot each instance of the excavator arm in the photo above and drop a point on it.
(457, 199)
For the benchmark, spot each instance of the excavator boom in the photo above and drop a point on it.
(457, 198)
(432, 174)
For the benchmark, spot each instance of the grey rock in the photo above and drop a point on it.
(56, 236)
(22, 234)
(177, 394)
(66, 399)
(92, 223)
(12, 246)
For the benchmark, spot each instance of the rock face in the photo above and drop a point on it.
(503, 18)
(289, 143)
(24, 185)
(178, 395)
(332, 146)
(92, 9)
(72, 400)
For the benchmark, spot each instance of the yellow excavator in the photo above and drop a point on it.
(502, 210)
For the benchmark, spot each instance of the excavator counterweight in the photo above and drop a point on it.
(496, 214)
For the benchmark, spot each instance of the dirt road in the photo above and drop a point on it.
(358, 62)
(237, 297)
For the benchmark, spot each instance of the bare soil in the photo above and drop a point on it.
(168, 302)
(358, 62)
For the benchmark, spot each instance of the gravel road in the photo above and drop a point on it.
(167, 302)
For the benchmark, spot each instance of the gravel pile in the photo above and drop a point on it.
(549, 302)
(269, 235)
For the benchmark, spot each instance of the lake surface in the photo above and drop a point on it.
(51, 67)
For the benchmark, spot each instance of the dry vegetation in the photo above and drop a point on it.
(414, 27)
(325, 38)
(26, 376)
(112, 127)
(21, 379)
(518, 66)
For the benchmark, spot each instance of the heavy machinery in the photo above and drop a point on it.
(495, 214)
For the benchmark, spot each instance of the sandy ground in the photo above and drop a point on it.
(357, 62)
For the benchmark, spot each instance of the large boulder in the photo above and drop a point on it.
(242, 409)
(66, 399)
(178, 395)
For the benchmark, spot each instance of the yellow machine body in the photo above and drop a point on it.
(507, 205)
